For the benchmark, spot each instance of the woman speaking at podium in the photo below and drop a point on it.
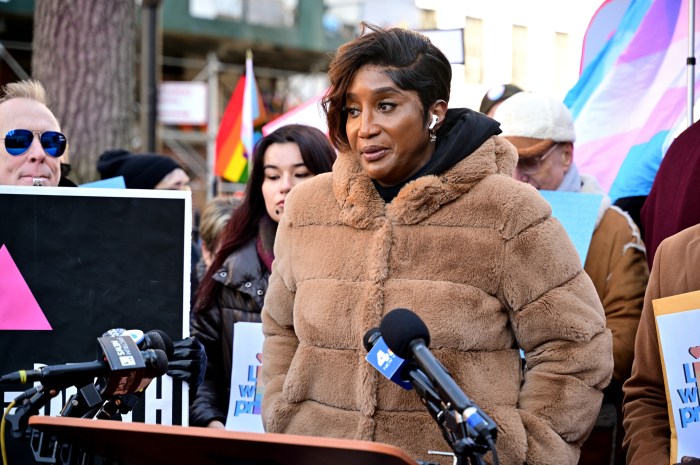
(420, 211)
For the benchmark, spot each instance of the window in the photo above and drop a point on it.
(474, 51)
(519, 58)
(428, 19)
(562, 59)
(274, 13)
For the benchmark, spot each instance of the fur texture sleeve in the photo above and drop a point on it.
(559, 322)
(278, 327)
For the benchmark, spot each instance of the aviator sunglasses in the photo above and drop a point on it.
(17, 141)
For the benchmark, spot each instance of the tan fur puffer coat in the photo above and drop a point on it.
(479, 258)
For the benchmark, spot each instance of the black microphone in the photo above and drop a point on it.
(408, 336)
(121, 362)
(404, 373)
(370, 338)
(155, 339)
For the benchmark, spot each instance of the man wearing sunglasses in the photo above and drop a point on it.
(542, 130)
(32, 141)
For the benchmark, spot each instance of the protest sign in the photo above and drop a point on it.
(78, 262)
(246, 389)
(677, 323)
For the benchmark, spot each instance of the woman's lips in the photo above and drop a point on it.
(373, 154)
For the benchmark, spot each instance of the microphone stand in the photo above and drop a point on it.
(85, 402)
(47, 448)
(28, 404)
(116, 406)
(451, 422)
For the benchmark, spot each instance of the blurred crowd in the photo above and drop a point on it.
(409, 203)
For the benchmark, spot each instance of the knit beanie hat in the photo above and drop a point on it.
(497, 95)
(140, 170)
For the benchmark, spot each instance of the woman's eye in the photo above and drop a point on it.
(303, 175)
(351, 111)
(272, 177)
(386, 106)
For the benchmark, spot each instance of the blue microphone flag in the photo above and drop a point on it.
(388, 363)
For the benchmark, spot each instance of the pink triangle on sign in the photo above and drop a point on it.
(19, 309)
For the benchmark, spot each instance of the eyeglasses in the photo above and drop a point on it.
(531, 164)
(18, 141)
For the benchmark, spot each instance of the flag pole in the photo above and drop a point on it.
(248, 76)
(213, 67)
(691, 60)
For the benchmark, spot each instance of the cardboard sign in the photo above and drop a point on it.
(246, 390)
(577, 212)
(677, 323)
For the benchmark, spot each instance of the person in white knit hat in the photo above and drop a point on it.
(542, 130)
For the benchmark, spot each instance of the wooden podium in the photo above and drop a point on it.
(138, 443)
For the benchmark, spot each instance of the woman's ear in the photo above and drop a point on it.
(438, 109)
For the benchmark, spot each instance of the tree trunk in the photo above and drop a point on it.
(84, 54)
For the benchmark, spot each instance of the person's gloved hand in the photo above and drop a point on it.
(188, 362)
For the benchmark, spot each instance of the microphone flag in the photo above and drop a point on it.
(387, 363)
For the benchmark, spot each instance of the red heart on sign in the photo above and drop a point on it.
(695, 351)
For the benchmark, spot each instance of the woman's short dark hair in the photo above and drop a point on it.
(318, 155)
(410, 60)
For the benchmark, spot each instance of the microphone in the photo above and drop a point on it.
(405, 373)
(384, 360)
(157, 339)
(408, 336)
(154, 339)
(121, 362)
(120, 366)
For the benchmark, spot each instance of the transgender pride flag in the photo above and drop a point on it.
(631, 98)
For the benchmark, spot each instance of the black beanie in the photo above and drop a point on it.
(140, 170)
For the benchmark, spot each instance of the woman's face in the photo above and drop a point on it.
(385, 127)
(284, 169)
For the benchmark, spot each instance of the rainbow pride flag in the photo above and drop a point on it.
(235, 139)
(630, 100)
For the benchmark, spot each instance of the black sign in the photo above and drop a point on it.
(92, 260)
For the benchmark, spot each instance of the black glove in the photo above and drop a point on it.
(188, 362)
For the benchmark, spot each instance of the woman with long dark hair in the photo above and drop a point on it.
(236, 281)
